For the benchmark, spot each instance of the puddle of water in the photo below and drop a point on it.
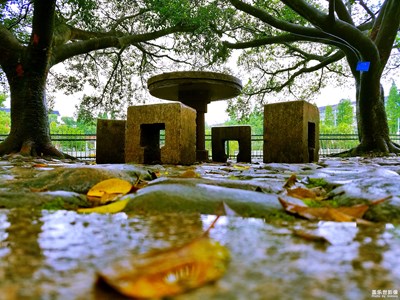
(55, 255)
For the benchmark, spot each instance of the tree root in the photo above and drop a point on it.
(30, 148)
(388, 149)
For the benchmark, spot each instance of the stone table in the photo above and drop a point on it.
(195, 89)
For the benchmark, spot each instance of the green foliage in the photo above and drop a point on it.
(3, 98)
(344, 122)
(256, 120)
(345, 115)
(5, 122)
(69, 121)
(393, 109)
(329, 120)
(52, 118)
(16, 17)
(85, 115)
(65, 134)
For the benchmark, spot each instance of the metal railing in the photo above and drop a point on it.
(83, 146)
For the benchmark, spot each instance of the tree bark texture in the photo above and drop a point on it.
(26, 71)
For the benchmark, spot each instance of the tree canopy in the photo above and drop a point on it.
(284, 40)
(291, 49)
(107, 42)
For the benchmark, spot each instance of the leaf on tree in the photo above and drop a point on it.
(111, 208)
(168, 272)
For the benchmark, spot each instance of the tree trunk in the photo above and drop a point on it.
(373, 129)
(30, 133)
(26, 70)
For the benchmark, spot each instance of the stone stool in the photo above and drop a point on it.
(144, 124)
(240, 133)
(291, 132)
(110, 141)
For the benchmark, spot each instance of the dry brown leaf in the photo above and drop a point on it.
(302, 193)
(341, 214)
(290, 182)
(40, 165)
(320, 192)
(310, 236)
(139, 184)
(169, 272)
(356, 211)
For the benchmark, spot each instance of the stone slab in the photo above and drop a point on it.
(208, 86)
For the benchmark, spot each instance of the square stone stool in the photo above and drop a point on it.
(110, 141)
(145, 123)
(291, 132)
(240, 133)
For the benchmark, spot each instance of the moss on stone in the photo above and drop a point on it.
(55, 204)
(319, 182)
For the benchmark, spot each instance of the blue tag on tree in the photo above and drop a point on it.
(363, 66)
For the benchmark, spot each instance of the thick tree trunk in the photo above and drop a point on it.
(373, 128)
(26, 71)
(30, 134)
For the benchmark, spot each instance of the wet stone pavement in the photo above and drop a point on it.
(49, 251)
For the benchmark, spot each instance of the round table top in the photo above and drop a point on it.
(208, 85)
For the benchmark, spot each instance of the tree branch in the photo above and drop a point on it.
(121, 20)
(277, 23)
(284, 38)
(326, 62)
(366, 8)
(332, 10)
(388, 29)
(69, 50)
(342, 12)
(9, 47)
(308, 12)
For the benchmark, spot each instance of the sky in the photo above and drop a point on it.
(217, 110)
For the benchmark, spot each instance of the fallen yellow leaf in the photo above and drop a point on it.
(110, 186)
(241, 167)
(169, 272)
(106, 209)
